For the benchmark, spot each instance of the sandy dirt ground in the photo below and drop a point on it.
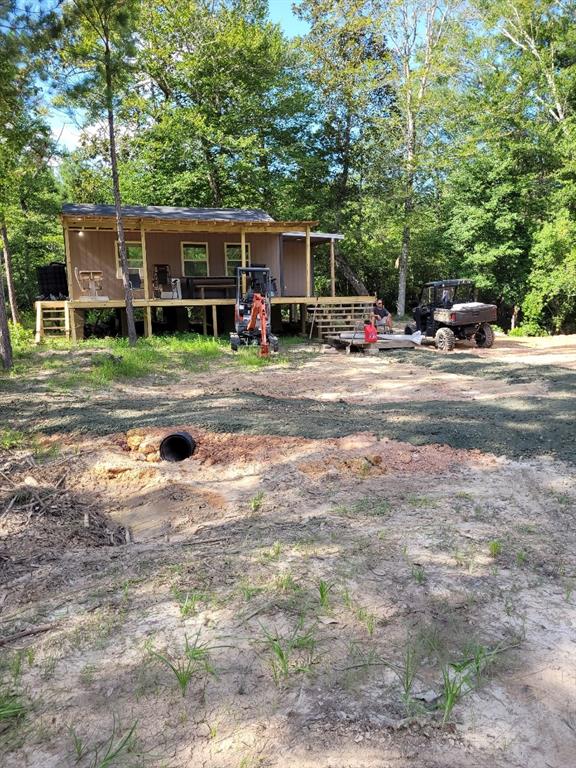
(355, 543)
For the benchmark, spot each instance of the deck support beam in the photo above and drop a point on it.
(215, 321)
(39, 324)
(308, 264)
(243, 257)
(77, 317)
(69, 276)
(332, 269)
(147, 321)
(145, 269)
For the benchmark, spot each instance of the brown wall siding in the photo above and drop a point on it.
(165, 248)
(295, 268)
(96, 250)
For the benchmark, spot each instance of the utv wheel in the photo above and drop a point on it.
(445, 340)
(484, 336)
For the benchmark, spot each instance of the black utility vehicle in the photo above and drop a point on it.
(447, 311)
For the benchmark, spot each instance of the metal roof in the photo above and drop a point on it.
(448, 283)
(169, 213)
(318, 237)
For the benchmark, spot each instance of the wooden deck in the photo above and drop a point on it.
(72, 313)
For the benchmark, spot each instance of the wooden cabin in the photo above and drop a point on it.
(182, 265)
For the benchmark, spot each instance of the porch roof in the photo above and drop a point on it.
(169, 219)
(315, 237)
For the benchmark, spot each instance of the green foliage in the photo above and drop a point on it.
(551, 299)
(116, 360)
(528, 329)
(216, 107)
(12, 438)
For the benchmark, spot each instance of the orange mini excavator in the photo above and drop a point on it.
(254, 289)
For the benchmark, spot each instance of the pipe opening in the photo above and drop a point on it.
(177, 447)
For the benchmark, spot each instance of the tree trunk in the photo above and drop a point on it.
(9, 278)
(213, 178)
(349, 274)
(5, 343)
(341, 195)
(408, 208)
(118, 202)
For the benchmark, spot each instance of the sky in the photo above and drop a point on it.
(281, 13)
(67, 133)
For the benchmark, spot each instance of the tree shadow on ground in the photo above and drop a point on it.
(519, 427)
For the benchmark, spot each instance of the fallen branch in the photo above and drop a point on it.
(27, 633)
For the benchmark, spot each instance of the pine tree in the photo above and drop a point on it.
(94, 40)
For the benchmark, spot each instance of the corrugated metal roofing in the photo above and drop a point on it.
(169, 213)
(319, 237)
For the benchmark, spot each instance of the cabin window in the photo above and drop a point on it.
(195, 259)
(134, 257)
(234, 257)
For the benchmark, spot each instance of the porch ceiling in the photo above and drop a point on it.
(153, 224)
(316, 238)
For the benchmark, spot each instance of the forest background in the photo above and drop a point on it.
(438, 137)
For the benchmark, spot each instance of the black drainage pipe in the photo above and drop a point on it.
(177, 446)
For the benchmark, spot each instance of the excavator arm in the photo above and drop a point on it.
(259, 311)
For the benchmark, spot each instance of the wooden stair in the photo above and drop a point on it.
(51, 320)
(336, 318)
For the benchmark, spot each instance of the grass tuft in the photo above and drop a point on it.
(292, 654)
(324, 589)
(194, 661)
(495, 548)
(12, 708)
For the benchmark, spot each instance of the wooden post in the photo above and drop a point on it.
(243, 247)
(281, 261)
(332, 269)
(77, 324)
(72, 325)
(147, 320)
(303, 318)
(308, 264)
(39, 323)
(214, 321)
(145, 267)
(243, 257)
(66, 320)
(69, 275)
(204, 321)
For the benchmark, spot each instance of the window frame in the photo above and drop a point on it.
(128, 243)
(236, 245)
(183, 244)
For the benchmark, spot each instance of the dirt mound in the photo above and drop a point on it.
(43, 516)
(366, 455)
(216, 447)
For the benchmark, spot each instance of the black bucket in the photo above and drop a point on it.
(177, 446)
